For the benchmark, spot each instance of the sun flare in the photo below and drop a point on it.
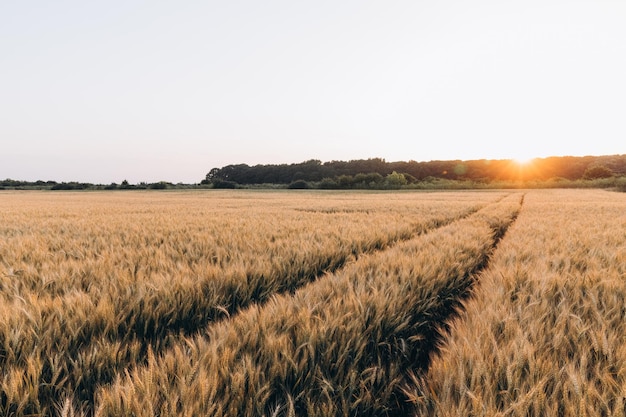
(523, 160)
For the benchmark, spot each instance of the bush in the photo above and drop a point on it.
(372, 180)
(597, 172)
(299, 185)
(63, 186)
(223, 184)
(328, 184)
(410, 179)
(345, 181)
(158, 186)
(395, 180)
(620, 184)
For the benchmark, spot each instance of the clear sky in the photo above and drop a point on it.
(102, 91)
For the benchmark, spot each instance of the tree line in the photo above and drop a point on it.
(378, 173)
(75, 185)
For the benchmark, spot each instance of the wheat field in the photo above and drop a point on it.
(312, 303)
(545, 333)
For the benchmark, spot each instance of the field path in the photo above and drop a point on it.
(451, 310)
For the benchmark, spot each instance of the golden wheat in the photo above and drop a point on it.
(545, 333)
(91, 282)
(339, 346)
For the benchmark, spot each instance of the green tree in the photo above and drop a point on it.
(395, 180)
(597, 172)
(299, 185)
(345, 181)
(328, 184)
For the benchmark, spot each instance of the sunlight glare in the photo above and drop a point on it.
(523, 160)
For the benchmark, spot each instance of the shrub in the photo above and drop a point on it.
(223, 184)
(620, 184)
(299, 185)
(63, 186)
(395, 180)
(328, 184)
(597, 172)
(158, 186)
(345, 181)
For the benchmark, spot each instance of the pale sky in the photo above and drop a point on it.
(102, 91)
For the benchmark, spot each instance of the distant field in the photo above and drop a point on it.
(312, 303)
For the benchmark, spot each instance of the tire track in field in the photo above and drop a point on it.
(384, 325)
(152, 336)
(257, 289)
(452, 304)
(449, 306)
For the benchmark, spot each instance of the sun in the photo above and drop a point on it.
(523, 160)
(524, 167)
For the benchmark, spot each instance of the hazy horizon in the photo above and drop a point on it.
(517, 162)
(161, 91)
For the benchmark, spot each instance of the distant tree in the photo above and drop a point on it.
(223, 184)
(360, 180)
(371, 180)
(395, 180)
(410, 179)
(374, 178)
(597, 172)
(299, 185)
(162, 185)
(328, 184)
(64, 186)
(212, 175)
(345, 181)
